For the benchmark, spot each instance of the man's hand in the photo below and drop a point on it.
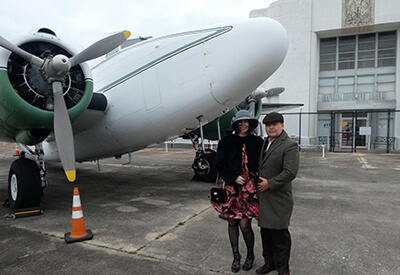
(263, 185)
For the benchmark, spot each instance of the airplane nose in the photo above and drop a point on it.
(242, 59)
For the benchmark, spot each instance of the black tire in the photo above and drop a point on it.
(205, 166)
(24, 184)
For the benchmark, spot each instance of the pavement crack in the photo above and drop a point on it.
(181, 223)
(367, 167)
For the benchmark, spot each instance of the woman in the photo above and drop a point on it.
(237, 162)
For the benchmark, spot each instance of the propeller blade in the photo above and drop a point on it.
(275, 91)
(63, 132)
(18, 51)
(100, 48)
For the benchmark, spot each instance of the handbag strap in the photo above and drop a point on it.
(217, 180)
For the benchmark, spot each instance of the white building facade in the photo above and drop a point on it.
(343, 65)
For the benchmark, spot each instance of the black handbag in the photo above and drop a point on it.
(218, 194)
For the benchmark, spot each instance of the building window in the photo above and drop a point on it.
(347, 52)
(386, 83)
(328, 54)
(346, 85)
(387, 49)
(358, 51)
(327, 85)
(366, 83)
(382, 130)
(366, 50)
(358, 67)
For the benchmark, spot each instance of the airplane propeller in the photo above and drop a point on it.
(55, 68)
(100, 48)
(260, 93)
(25, 55)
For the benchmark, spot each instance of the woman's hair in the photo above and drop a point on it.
(252, 126)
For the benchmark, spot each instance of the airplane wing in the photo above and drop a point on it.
(278, 107)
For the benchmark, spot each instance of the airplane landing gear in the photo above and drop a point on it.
(204, 165)
(205, 161)
(24, 184)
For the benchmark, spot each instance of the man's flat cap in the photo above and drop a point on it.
(272, 118)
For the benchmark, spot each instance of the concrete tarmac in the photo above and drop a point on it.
(150, 217)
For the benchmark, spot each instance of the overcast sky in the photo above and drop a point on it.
(83, 22)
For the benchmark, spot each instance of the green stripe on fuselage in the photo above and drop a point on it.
(216, 33)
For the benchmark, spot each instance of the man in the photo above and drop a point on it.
(278, 166)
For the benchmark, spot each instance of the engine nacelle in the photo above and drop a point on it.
(26, 97)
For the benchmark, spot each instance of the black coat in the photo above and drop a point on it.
(229, 155)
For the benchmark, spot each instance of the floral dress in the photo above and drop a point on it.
(242, 199)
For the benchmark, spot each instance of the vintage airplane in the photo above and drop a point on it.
(143, 94)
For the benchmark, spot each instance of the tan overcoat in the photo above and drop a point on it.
(279, 165)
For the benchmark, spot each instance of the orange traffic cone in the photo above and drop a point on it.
(78, 232)
(16, 152)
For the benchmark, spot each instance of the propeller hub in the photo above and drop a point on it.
(58, 66)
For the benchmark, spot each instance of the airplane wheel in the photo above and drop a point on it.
(24, 184)
(205, 166)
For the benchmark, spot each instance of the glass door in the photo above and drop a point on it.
(346, 140)
(361, 140)
(350, 131)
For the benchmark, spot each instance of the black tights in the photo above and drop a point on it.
(247, 231)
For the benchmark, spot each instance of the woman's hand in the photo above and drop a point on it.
(240, 180)
(263, 185)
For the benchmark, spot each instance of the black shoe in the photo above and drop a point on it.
(265, 269)
(236, 263)
(248, 264)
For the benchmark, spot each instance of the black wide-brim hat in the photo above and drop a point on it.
(244, 115)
